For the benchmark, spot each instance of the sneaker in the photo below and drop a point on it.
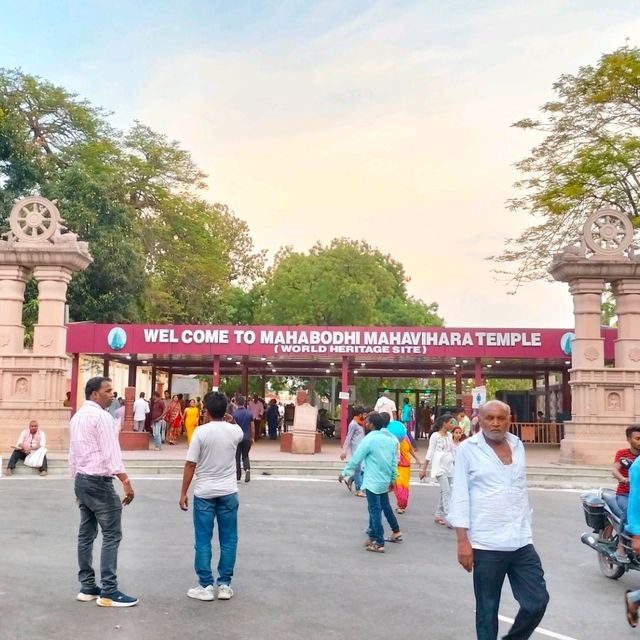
(225, 592)
(247, 476)
(43, 473)
(87, 594)
(202, 593)
(116, 599)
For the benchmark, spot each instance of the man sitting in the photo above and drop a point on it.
(29, 441)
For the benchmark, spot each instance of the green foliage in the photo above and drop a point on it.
(589, 158)
(507, 384)
(160, 251)
(345, 283)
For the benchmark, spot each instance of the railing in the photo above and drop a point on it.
(538, 432)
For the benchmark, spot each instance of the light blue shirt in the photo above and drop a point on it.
(633, 510)
(378, 452)
(355, 435)
(489, 498)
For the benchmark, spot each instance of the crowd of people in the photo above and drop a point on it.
(479, 467)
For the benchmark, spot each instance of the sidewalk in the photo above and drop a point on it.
(265, 450)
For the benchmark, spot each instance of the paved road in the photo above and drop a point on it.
(301, 573)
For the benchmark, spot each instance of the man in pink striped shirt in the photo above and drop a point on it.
(94, 460)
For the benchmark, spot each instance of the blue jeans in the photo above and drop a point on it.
(205, 511)
(526, 576)
(623, 503)
(99, 505)
(379, 503)
(157, 433)
(357, 477)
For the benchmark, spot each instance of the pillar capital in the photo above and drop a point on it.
(52, 273)
(593, 286)
(625, 286)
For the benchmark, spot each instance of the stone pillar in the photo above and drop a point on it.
(627, 351)
(131, 440)
(13, 280)
(50, 333)
(587, 350)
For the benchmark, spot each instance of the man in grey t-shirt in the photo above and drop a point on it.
(212, 459)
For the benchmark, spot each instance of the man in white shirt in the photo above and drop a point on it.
(140, 410)
(385, 404)
(491, 515)
(212, 458)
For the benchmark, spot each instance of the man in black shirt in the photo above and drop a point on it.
(244, 419)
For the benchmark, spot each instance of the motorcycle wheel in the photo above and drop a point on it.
(609, 569)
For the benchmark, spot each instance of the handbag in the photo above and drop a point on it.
(35, 459)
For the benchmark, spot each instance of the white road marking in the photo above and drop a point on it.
(541, 631)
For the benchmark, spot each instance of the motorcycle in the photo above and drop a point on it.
(603, 515)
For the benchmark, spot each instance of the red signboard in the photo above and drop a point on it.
(300, 341)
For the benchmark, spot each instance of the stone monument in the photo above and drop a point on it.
(305, 419)
(605, 400)
(33, 382)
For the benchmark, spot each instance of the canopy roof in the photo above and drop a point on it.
(317, 351)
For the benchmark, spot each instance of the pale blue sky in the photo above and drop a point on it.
(387, 121)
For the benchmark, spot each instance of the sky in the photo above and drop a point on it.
(387, 121)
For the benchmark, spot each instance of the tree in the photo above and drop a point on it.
(589, 158)
(345, 283)
(55, 144)
(161, 252)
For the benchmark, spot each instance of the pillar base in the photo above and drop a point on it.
(306, 442)
(592, 443)
(134, 440)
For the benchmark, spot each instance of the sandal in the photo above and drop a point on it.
(375, 547)
(394, 538)
(632, 616)
(400, 510)
(441, 521)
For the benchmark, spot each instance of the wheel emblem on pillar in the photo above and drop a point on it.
(608, 232)
(34, 219)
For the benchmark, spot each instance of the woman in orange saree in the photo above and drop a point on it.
(406, 452)
(174, 419)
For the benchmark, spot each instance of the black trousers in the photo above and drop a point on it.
(18, 454)
(242, 453)
(524, 569)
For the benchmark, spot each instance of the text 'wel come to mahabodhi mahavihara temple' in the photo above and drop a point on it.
(384, 339)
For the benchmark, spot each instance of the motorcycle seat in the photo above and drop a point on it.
(609, 496)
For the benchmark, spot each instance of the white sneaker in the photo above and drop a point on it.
(202, 593)
(225, 592)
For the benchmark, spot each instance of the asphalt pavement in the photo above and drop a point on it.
(302, 571)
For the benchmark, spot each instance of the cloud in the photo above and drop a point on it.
(392, 126)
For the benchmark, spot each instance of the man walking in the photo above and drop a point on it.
(378, 452)
(355, 435)
(257, 411)
(157, 414)
(211, 457)
(140, 410)
(491, 515)
(244, 419)
(94, 460)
